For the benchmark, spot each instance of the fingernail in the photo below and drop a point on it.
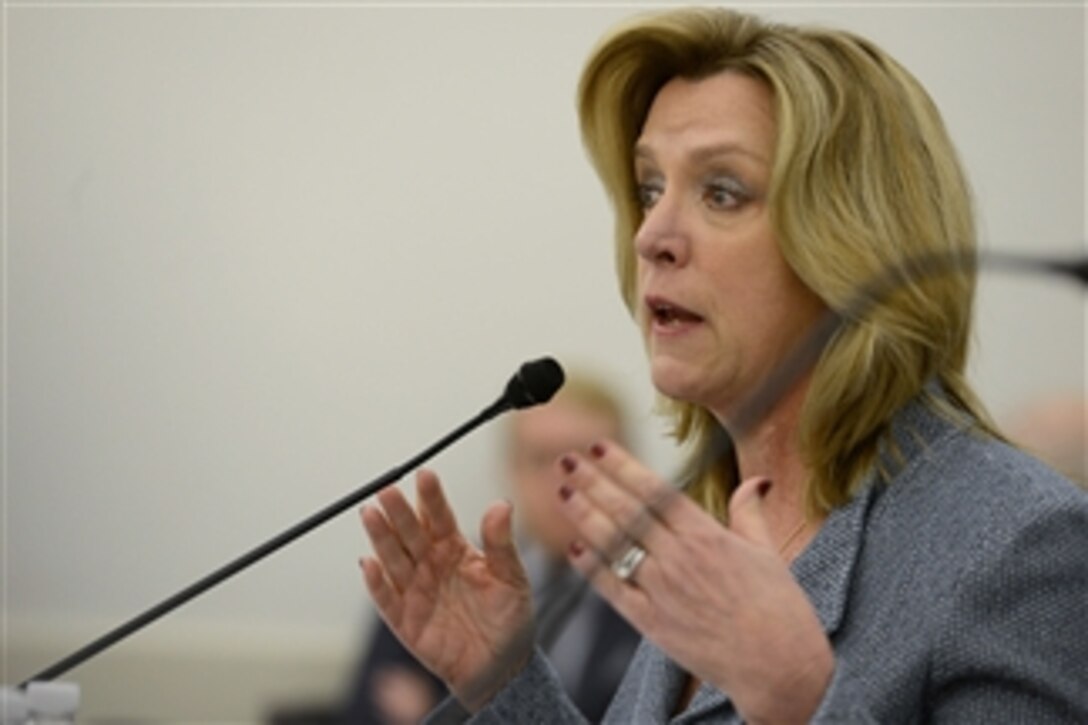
(763, 487)
(568, 463)
(564, 492)
(576, 548)
(597, 450)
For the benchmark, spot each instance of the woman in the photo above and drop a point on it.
(865, 547)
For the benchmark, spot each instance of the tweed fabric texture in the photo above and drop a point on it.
(957, 591)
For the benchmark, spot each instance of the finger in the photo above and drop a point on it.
(496, 534)
(746, 516)
(635, 518)
(636, 479)
(435, 511)
(629, 514)
(387, 546)
(384, 596)
(404, 520)
(626, 597)
(608, 537)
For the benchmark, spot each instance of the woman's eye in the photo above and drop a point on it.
(724, 194)
(648, 194)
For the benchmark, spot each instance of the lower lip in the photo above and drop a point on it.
(673, 328)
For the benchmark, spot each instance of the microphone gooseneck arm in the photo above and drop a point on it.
(534, 383)
(924, 267)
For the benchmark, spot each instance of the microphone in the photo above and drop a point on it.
(534, 383)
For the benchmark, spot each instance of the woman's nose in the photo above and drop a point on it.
(662, 237)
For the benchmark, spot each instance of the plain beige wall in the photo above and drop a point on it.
(257, 255)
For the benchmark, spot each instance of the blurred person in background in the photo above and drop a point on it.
(1055, 428)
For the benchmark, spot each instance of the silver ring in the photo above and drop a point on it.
(625, 566)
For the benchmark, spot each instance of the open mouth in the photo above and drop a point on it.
(667, 314)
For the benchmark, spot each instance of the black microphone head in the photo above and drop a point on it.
(534, 383)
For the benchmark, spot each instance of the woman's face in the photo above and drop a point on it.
(718, 305)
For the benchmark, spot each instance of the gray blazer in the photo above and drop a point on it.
(957, 593)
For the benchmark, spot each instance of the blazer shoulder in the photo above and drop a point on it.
(967, 470)
(968, 502)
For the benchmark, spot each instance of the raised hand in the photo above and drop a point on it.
(465, 613)
(719, 601)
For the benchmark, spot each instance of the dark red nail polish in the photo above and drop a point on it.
(576, 548)
(597, 450)
(565, 492)
(568, 463)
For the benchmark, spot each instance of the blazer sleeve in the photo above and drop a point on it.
(1008, 640)
(534, 696)
(1015, 648)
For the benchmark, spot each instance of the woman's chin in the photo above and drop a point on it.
(676, 381)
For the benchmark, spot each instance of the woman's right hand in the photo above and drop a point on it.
(466, 614)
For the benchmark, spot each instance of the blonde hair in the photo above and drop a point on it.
(865, 178)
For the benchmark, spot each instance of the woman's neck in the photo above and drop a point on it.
(772, 449)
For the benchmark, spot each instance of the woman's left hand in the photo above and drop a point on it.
(719, 601)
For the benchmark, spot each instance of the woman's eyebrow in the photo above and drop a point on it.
(643, 152)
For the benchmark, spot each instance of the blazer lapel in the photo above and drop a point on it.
(824, 570)
(659, 683)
